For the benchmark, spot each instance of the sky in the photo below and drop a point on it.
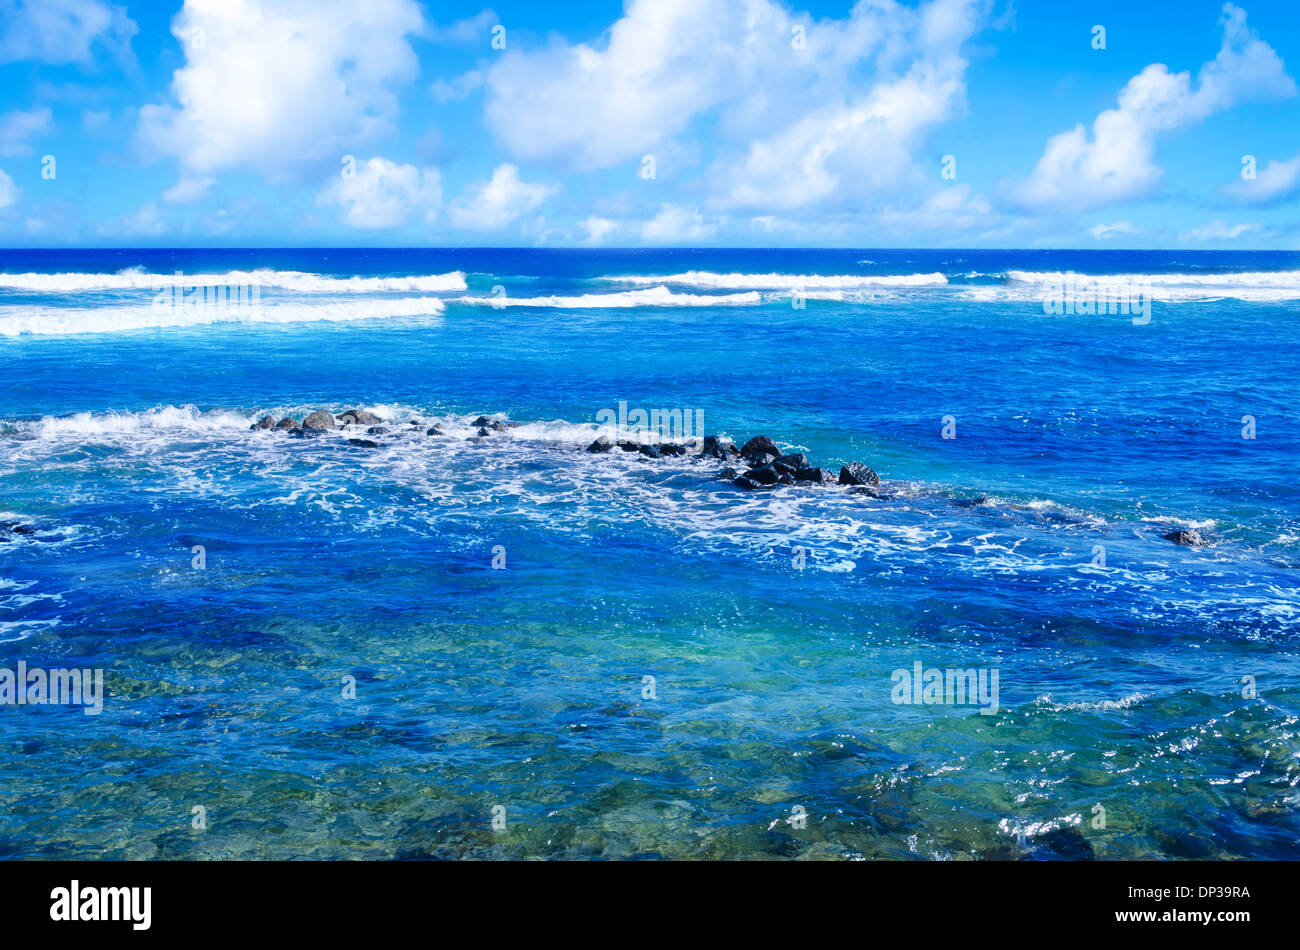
(737, 123)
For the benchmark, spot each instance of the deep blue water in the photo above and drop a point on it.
(125, 442)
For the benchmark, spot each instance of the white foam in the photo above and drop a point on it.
(134, 279)
(653, 297)
(1262, 286)
(58, 321)
(783, 281)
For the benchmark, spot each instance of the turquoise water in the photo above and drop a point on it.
(125, 442)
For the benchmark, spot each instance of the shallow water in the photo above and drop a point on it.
(1120, 685)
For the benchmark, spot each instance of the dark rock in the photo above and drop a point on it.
(484, 430)
(748, 483)
(729, 473)
(496, 425)
(795, 462)
(855, 473)
(376, 430)
(266, 422)
(785, 478)
(433, 430)
(629, 446)
(602, 444)
(815, 476)
(649, 451)
(319, 420)
(764, 475)
(364, 443)
(286, 423)
(718, 446)
(1060, 844)
(870, 491)
(1188, 537)
(358, 417)
(761, 458)
(760, 445)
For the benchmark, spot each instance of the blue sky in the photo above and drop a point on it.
(655, 122)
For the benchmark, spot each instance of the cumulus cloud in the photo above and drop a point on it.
(1117, 163)
(279, 84)
(8, 191)
(675, 224)
(496, 203)
(1218, 231)
(188, 190)
(384, 194)
(804, 111)
(1105, 231)
(18, 126)
(62, 32)
(1274, 182)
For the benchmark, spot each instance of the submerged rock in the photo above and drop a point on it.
(496, 425)
(434, 430)
(855, 473)
(376, 430)
(364, 443)
(319, 421)
(266, 422)
(1188, 537)
(602, 444)
(358, 417)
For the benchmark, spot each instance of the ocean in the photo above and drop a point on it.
(396, 644)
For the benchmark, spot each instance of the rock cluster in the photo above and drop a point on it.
(768, 465)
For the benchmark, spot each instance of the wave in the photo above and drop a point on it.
(653, 297)
(58, 321)
(783, 281)
(1242, 285)
(134, 279)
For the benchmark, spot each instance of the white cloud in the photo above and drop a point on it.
(459, 88)
(8, 191)
(474, 29)
(494, 204)
(796, 104)
(384, 194)
(188, 190)
(62, 32)
(1105, 231)
(599, 230)
(278, 84)
(1274, 182)
(675, 224)
(1218, 231)
(1117, 163)
(18, 126)
(951, 208)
